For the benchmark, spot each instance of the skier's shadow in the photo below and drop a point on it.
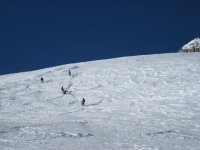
(93, 104)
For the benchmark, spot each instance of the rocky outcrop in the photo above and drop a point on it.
(192, 46)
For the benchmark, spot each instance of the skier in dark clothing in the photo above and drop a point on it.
(70, 73)
(42, 80)
(83, 101)
(63, 90)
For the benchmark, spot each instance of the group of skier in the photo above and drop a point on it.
(64, 91)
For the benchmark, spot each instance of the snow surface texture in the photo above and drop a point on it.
(142, 103)
(192, 44)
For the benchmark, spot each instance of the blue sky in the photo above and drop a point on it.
(38, 34)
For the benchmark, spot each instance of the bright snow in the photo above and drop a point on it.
(141, 102)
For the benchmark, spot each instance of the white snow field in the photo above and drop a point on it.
(138, 103)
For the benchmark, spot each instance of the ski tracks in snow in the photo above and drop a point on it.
(144, 103)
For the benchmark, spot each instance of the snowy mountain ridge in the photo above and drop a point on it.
(192, 44)
(147, 102)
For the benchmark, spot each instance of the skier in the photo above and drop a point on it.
(42, 80)
(83, 101)
(70, 73)
(63, 90)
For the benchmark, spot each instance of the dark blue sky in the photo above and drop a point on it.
(38, 34)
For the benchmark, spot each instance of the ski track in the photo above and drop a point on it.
(142, 102)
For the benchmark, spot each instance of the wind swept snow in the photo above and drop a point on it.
(142, 102)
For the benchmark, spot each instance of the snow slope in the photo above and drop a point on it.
(192, 44)
(142, 103)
